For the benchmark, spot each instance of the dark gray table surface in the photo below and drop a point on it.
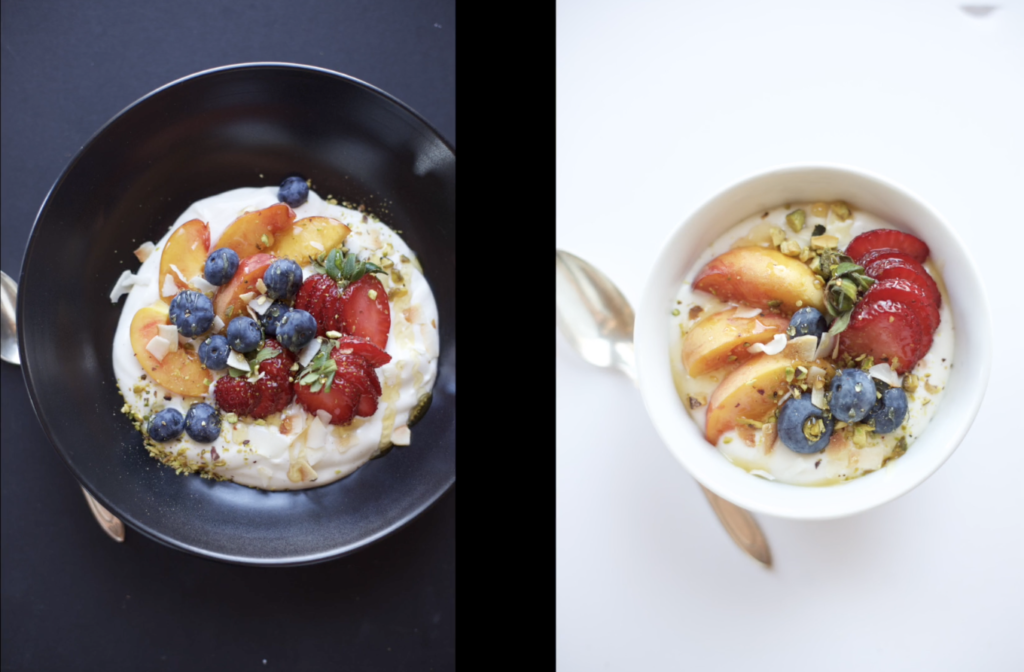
(72, 598)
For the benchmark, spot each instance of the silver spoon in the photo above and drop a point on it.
(9, 353)
(597, 320)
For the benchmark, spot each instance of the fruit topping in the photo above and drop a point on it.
(806, 322)
(889, 411)
(912, 295)
(761, 277)
(340, 400)
(887, 238)
(244, 334)
(296, 329)
(202, 423)
(272, 317)
(255, 232)
(366, 311)
(321, 298)
(235, 395)
(724, 338)
(221, 266)
(887, 331)
(803, 427)
(184, 255)
(749, 393)
(233, 298)
(271, 393)
(166, 425)
(356, 371)
(181, 371)
(905, 267)
(309, 238)
(294, 191)
(852, 395)
(356, 345)
(283, 280)
(213, 352)
(192, 313)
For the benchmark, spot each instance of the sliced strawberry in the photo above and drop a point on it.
(321, 298)
(887, 238)
(357, 371)
(356, 345)
(905, 267)
(367, 406)
(235, 395)
(882, 253)
(886, 330)
(366, 311)
(910, 294)
(341, 402)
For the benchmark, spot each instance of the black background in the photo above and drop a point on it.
(72, 598)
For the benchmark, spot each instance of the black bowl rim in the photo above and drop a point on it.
(29, 383)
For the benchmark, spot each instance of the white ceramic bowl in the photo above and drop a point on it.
(964, 390)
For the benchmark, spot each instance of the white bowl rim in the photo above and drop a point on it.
(960, 405)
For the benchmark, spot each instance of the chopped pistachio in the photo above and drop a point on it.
(860, 435)
(796, 220)
(819, 209)
(675, 312)
(790, 248)
(727, 439)
(815, 264)
(824, 242)
(373, 294)
(774, 305)
(801, 372)
(698, 400)
(754, 424)
(789, 374)
(796, 392)
(910, 382)
(695, 312)
(932, 389)
(778, 236)
(841, 210)
(867, 363)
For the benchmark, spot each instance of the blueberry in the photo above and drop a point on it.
(191, 313)
(213, 352)
(296, 329)
(272, 318)
(797, 413)
(889, 411)
(852, 396)
(221, 266)
(203, 423)
(283, 280)
(806, 322)
(294, 191)
(166, 425)
(244, 334)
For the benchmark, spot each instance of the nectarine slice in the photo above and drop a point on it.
(255, 232)
(751, 391)
(228, 303)
(764, 278)
(310, 237)
(186, 250)
(181, 371)
(723, 338)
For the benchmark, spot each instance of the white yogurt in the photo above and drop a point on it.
(262, 456)
(841, 460)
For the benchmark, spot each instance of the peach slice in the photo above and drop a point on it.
(186, 250)
(255, 232)
(759, 277)
(181, 371)
(723, 338)
(228, 303)
(310, 237)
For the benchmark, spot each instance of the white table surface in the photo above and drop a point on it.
(660, 105)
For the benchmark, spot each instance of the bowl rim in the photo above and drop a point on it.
(684, 439)
(130, 521)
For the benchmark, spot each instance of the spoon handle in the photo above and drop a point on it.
(742, 527)
(108, 521)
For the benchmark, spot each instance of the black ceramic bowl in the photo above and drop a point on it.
(247, 125)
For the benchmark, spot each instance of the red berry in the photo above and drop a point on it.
(905, 267)
(365, 316)
(356, 345)
(367, 406)
(886, 330)
(357, 371)
(341, 402)
(321, 298)
(910, 294)
(887, 238)
(235, 395)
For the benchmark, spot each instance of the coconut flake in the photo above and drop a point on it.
(818, 397)
(261, 286)
(123, 285)
(218, 324)
(884, 373)
(309, 352)
(158, 347)
(774, 347)
(260, 305)
(324, 416)
(786, 396)
(747, 312)
(316, 437)
(200, 283)
(178, 272)
(170, 287)
(145, 251)
(835, 350)
(169, 333)
(308, 272)
(237, 361)
(825, 346)
(248, 296)
(802, 348)
(402, 436)
(316, 245)
(758, 327)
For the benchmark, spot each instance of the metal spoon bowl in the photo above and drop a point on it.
(597, 320)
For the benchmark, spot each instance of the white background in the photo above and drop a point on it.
(660, 105)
